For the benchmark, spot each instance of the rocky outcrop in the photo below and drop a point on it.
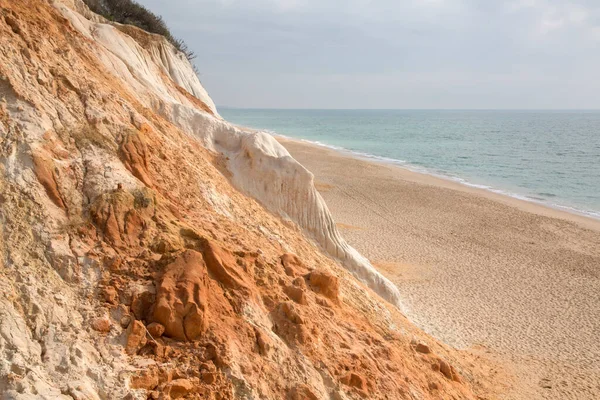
(182, 297)
(133, 152)
(325, 283)
(44, 171)
(134, 263)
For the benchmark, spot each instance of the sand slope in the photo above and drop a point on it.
(477, 269)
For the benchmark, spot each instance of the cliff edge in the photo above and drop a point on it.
(150, 249)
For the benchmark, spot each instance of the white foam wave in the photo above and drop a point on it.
(443, 175)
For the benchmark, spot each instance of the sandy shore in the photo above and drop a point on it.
(478, 270)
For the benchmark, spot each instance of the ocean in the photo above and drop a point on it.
(550, 157)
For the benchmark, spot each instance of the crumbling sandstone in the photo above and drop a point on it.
(141, 303)
(179, 388)
(136, 337)
(223, 267)
(110, 295)
(182, 297)
(297, 294)
(355, 380)
(292, 265)
(145, 379)
(301, 392)
(325, 283)
(155, 329)
(422, 348)
(447, 370)
(101, 325)
(44, 170)
(133, 152)
(290, 324)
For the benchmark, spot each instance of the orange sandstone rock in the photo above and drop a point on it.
(301, 392)
(354, 380)
(44, 171)
(223, 267)
(136, 337)
(141, 304)
(134, 155)
(155, 329)
(110, 295)
(145, 379)
(182, 297)
(297, 294)
(325, 283)
(422, 348)
(357, 382)
(292, 265)
(263, 342)
(448, 371)
(179, 388)
(101, 325)
(290, 324)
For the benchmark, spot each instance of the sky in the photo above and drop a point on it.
(393, 54)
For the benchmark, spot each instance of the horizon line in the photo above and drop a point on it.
(403, 109)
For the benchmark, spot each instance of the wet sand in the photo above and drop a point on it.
(515, 280)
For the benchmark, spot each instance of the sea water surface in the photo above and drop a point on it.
(551, 157)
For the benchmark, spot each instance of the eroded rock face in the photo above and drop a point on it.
(44, 171)
(293, 265)
(155, 329)
(301, 392)
(356, 381)
(325, 283)
(132, 266)
(136, 337)
(145, 379)
(291, 324)
(179, 388)
(133, 152)
(222, 266)
(297, 294)
(119, 219)
(447, 370)
(182, 297)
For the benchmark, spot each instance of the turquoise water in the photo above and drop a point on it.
(552, 157)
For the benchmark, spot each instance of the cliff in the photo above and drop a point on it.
(151, 249)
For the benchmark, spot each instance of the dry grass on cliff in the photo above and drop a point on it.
(132, 13)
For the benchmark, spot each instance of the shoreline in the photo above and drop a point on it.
(587, 218)
(512, 280)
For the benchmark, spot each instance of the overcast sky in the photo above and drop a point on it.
(393, 53)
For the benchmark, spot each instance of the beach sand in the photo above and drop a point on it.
(514, 280)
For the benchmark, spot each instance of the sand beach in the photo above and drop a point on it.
(512, 280)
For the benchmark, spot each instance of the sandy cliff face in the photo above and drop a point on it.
(163, 81)
(150, 249)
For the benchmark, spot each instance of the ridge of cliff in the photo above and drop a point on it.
(150, 249)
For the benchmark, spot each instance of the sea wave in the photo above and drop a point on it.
(446, 176)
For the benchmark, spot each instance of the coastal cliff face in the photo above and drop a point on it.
(149, 249)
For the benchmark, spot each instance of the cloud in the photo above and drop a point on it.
(566, 15)
(282, 46)
(273, 5)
